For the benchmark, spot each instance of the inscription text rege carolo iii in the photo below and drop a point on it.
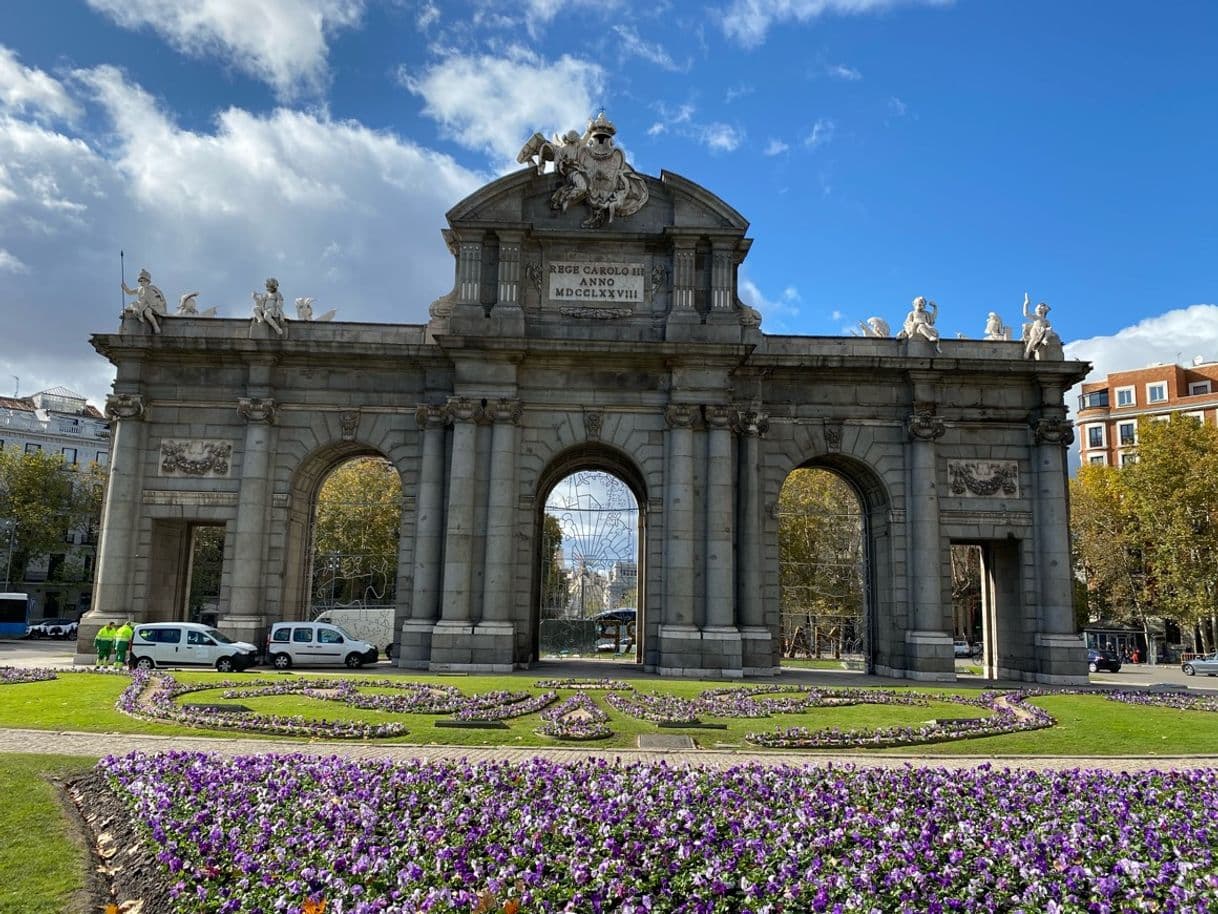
(575, 281)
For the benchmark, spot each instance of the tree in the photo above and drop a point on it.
(1109, 545)
(555, 591)
(1174, 496)
(42, 499)
(356, 533)
(820, 546)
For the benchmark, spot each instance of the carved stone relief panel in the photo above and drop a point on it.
(984, 478)
(196, 458)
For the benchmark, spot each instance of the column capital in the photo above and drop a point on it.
(680, 415)
(718, 415)
(752, 423)
(924, 425)
(256, 409)
(505, 409)
(1053, 431)
(461, 409)
(124, 406)
(430, 415)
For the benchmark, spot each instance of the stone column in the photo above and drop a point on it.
(1060, 657)
(501, 526)
(112, 590)
(929, 647)
(415, 648)
(679, 518)
(720, 637)
(458, 541)
(684, 314)
(757, 639)
(723, 274)
(244, 619)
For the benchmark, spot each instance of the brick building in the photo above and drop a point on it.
(1109, 410)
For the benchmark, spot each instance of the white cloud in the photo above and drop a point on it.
(10, 264)
(719, 137)
(282, 42)
(747, 21)
(336, 211)
(653, 52)
(841, 71)
(775, 147)
(429, 15)
(493, 103)
(1174, 336)
(30, 91)
(736, 92)
(821, 133)
(774, 312)
(897, 107)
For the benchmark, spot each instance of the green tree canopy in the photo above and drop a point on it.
(356, 533)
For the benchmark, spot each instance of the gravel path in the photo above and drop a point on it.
(99, 744)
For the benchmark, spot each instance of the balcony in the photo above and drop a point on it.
(1097, 399)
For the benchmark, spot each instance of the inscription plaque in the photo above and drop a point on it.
(615, 284)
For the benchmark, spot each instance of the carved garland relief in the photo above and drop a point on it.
(984, 478)
(196, 458)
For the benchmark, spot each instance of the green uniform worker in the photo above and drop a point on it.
(103, 643)
(122, 640)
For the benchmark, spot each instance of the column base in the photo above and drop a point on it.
(929, 656)
(757, 651)
(414, 644)
(721, 650)
(251, 629)
(451, 644)
(1060, 659)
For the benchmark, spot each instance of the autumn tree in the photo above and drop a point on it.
(356, 534)
(820, 548)
(41, 499)
(1173, 492)
(554, 579)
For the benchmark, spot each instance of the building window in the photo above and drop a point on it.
(1198, 417)
(1097, 399)
(1160, 418)
(1126, 396)
(1095, 436)
(1127, 433)
(1157, 392)
(103, 458)
(33, 448)
(1198, 387)
(69, 456)
(1097, 460)
(70, 537)
(1127, 459)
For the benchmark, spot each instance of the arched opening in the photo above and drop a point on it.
(822, 572)
(357, 515)
(589, 597)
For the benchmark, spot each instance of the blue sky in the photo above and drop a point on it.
(881, 149)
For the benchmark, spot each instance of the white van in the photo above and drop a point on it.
(156, 644)
(315, 644)
(373, 624)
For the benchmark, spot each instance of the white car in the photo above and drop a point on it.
(53, 628)
(315, 644)
(962, 648)
(155, 644)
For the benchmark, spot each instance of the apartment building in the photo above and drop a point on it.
(55, 421)
(1109, 410)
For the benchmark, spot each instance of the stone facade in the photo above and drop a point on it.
(615, 343)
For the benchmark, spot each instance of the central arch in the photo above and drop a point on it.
(594, 499)
(866, 625)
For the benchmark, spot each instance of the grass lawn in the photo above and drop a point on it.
(1087, 724)
(40, 865)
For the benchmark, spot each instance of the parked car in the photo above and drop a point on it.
(53, 628)
(962, 648)
(155, 644)
(315, 644)
(1102, 660)
(1207, 665)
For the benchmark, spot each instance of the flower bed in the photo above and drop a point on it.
(263, 834)
(1181, 701)
(11, 675)
(576, 718)
(588, 685)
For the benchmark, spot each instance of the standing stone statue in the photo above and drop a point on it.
(995, 329)
(875, 326)
(920, 322)
(268, 307)
(149, 301)
(1039, 338)
(593, 171)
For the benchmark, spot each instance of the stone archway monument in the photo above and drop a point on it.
(594, 322)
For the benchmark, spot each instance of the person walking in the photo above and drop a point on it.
(103, 643)
(122, 641)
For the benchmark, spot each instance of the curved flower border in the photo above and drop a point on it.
(563, 721)
(12, 675)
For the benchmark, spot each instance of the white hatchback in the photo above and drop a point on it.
(315, 644)
(156, 644)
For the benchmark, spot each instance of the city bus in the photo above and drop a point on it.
(14, 614)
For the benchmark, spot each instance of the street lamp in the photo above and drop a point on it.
(8, 565)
